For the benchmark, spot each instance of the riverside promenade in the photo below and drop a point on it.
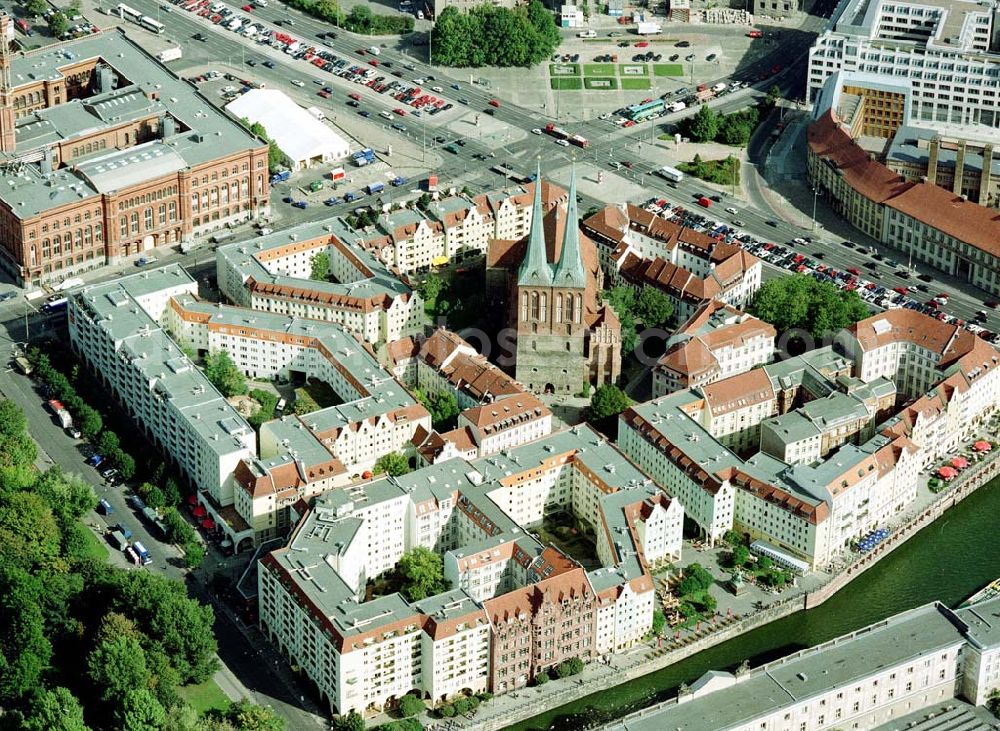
(524, 704)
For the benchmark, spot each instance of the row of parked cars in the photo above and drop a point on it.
(850, 279)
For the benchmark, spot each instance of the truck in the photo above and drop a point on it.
(558, 132)
(55, 304)
(677, 107)
(579, 141)
(120, 527)
(672, 174)
(144, 558)
(338, 175)
(587, 34)
(136, 502)
(117, 539)
(189, 245)
(431, 184)
(315, 186)
(170, 54)
(646, 28)
(719, 87)
(398, 181)
(60, 412)
(23, 365)
(374, 188)
(704, 202)
(235, 24)
(363, 157)
(104, 507)
(281, 176)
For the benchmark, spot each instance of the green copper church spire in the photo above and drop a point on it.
(570, 271)
(535, 270)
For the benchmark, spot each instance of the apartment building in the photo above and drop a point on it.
(107, 154)
(301, 456)
(537, 605)
(811, 453)
(118, 330)
(940, 54)
(718, 341)
(640, 249)
(928, 223)
(273, 274)
(902, 672)
(497, 411)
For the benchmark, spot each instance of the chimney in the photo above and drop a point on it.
(47, 161)
(168, 126)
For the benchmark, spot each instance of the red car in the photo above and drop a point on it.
(495, 103)
(355, 97)
(400, 112)
(776, 68)
(248, 8)
(855, 271)
(373, 62)
(642, 44)
(901, 290)
(755, 34)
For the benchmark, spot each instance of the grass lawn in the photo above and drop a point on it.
(714, 171)
(96, 548)
(315, 395)
(601, 84)
(668, 69)
(629, 70)
(204, 696)
(564, 69)
(636, 84)
(567, 84)
(598, 69)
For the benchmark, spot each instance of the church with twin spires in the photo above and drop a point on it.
(548, 286)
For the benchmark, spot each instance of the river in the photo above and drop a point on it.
(948, 560)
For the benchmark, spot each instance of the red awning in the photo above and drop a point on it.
(947, 472)
(192, 499)
(959, 463)
(982, 446)
(199, 511)
(366, 475)
(208, 524)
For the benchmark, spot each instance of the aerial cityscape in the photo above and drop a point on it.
(463, 365)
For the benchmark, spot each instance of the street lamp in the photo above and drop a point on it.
(815, 194)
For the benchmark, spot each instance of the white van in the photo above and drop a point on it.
(374, 50)
(280, 406)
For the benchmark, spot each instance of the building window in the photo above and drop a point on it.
(134, 221)
(148, 218)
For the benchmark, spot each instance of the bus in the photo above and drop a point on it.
(640, 112)
(154, 26)
(128, 13)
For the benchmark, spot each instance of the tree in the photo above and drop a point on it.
(654, 308)
(116, 666)
(422, 572)
(35, 7)
(108, 442)
(194, 555)
(740, 555)
(659, 622)
(432, 286)
(704, 125)
(443, 407)
(393, 464)
(29, 532)
(17, 448)
(54, 710)
(622, 301)
(494, 36)
(90, 422)
(563, 670)
(276, 158)
(140, 711)
(25, 651)
(224, 375)
(802, 302)
(700, 575)
(542, 678)
(125, 462)
(58, 24)
(773, 95)
(320, 266)
(353, 721)
(608, 400)
(248, 716)
(411, 705)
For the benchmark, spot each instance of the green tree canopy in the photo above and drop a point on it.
(141, 711)
(608, 400)
(654, 308)
(25, 651)
(54, 710)
(704, 125)
(411, 705)
(320, 266)
(35, 7)
(422, 572)
(443, 408)
(223, 373)
(353, 721)
(247, 716)
(801, 302)
(494, 36)
(623, 302)
(393, 464)
(116, 666)
(58, 24)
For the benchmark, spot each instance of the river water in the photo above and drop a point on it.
(948, 560)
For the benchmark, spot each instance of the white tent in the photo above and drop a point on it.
(305, 139)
